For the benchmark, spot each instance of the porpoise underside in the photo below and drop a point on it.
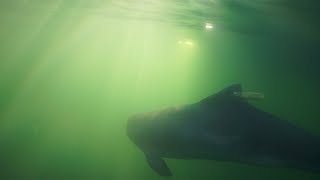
(223, 127)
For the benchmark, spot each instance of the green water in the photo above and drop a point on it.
(72, 72)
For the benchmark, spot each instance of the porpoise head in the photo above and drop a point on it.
(146, 128)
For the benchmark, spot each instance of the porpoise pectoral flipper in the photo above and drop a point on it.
(158, 165)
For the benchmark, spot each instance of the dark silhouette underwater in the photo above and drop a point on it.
(223, 127)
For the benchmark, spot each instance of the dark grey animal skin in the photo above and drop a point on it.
(223, 127)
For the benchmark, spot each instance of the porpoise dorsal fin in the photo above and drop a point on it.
(227, 92)
(158, 165)
(230, 90)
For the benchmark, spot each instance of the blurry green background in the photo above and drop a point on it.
(73, 71)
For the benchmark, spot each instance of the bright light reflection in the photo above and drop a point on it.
(187, 43)
(209, 26)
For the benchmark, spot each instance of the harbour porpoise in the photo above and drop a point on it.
(223, 127)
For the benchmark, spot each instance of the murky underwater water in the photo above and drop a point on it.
(72, 72)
